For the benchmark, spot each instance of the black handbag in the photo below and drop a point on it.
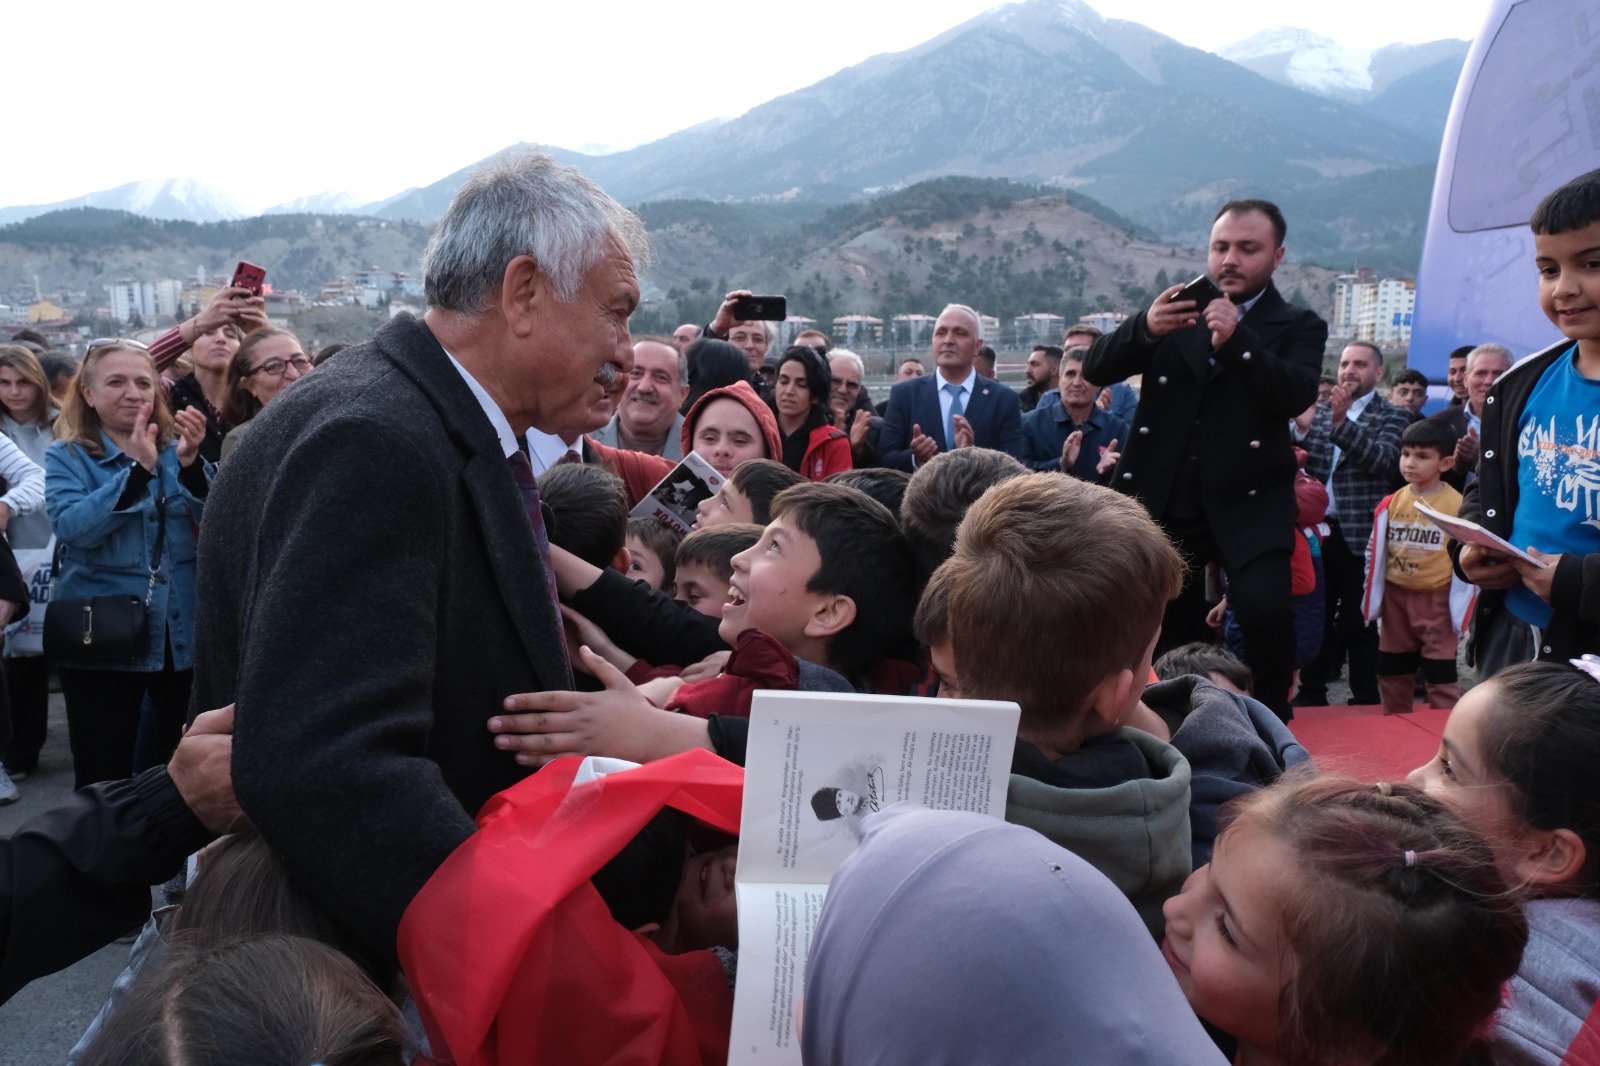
(102, 627)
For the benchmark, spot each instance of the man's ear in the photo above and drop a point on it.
(1551, 857)
(524, 290)
(1110, 700)
(622, 560)
(831, 616)
(1277, 258)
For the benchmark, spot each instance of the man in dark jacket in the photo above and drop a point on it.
(78, 876)
(373, 581)
(1209, 452)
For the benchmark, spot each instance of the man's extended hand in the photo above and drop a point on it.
(1165, 316)
(1539, 579)
(725, 320)
(1486, 568)
(966, 436)
(860, 425)
(1466, 450)
(202, 770)
(923, 446)
(1109, 457)
(618, 722)
(1070, 449)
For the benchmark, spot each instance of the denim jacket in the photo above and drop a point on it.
(106, 552)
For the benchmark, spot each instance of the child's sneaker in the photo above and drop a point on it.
(8, 791)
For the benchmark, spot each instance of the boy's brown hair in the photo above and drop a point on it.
(938, 495)
(1049, 554)
(715, 548)
(932, 622)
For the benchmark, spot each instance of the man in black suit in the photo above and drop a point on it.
(955, 406)
(1209, 452)
(372, 584)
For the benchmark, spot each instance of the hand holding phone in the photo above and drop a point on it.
(249, 276)
(1201, 291)
(761, 308)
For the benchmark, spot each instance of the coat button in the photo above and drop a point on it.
(1488, 399)
(1252, 492)
(1255, 444)
(1245, 357)
(1128, 476)
(1490, 512)
(1489, 454)
(1546, 649)
(1162, 380)
(1144, 431)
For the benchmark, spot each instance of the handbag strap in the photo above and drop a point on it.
(155, 556)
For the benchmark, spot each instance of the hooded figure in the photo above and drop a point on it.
(949, 937)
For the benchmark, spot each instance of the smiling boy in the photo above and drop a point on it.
(1538, 479)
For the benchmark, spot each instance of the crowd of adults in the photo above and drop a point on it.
(389, 596)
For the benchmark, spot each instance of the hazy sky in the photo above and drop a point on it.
(274, 101)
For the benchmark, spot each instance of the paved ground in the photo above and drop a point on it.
(41, 1023)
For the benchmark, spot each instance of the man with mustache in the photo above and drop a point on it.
(1208, 452)
(374, 571)
(1353, 447)
(647, 418)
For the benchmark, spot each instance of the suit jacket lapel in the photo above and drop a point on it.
(931, 418)
(513, 554)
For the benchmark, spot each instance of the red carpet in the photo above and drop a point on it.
(1366, 743)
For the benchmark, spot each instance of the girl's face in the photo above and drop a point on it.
(727, 434)
(18, 394)
(212, 350)
(792, 394)
(1460, 777)
(1225, 940)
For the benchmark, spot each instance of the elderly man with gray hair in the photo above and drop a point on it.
(374, 573)
(955, 406)
(1485, 364)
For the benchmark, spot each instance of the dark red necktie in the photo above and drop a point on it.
(528, 485)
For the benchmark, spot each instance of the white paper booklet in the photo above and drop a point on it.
(676, 499)
(1468, 532)
(816, 763)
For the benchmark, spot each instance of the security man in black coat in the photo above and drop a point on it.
(1209, 452)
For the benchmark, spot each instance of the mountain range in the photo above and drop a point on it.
(1049, 93)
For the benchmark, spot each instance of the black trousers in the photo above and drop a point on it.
(1259, 595)
(1345, 634)
(103, 709)
(28, 691)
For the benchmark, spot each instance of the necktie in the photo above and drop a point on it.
(956, 408)
(528, 485)
(568, 456)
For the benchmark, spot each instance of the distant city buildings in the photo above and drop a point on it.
(1369, 308)
(149, 301)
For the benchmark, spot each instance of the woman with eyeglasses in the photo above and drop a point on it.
(269, 361)
(125, 486)
(27, 419)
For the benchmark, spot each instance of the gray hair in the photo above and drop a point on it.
(524, 204)
(1075, 354)
(1491, 349)
(850, 357)
(977, 319)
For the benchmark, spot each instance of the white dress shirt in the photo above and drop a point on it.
(497, 418)
(546, 450)
(1352, 415)
(945, 398)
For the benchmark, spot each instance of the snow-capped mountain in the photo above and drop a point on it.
(1292, 56)
(322, 203)
(179, 199)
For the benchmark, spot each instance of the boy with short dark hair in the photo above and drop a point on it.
(705, 564)
(652, 552)
(1211, 661)
(1539, 437)
(588, 513)
(939, 493)
(828, 590)
(1419, 604)
(747, 495)
(882, 483)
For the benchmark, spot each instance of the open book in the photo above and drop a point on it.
(816, 763)
(675, 501)
(1468, 532)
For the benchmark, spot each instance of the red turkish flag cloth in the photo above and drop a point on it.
(514, 958)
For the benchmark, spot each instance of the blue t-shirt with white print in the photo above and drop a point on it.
(1558, 475)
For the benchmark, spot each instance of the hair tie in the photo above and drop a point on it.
(1411, 859)
(1589, 664)
(1385, 789)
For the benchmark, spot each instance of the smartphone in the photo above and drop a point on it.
(761, 308)
(1201, 290)
(248, 276)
